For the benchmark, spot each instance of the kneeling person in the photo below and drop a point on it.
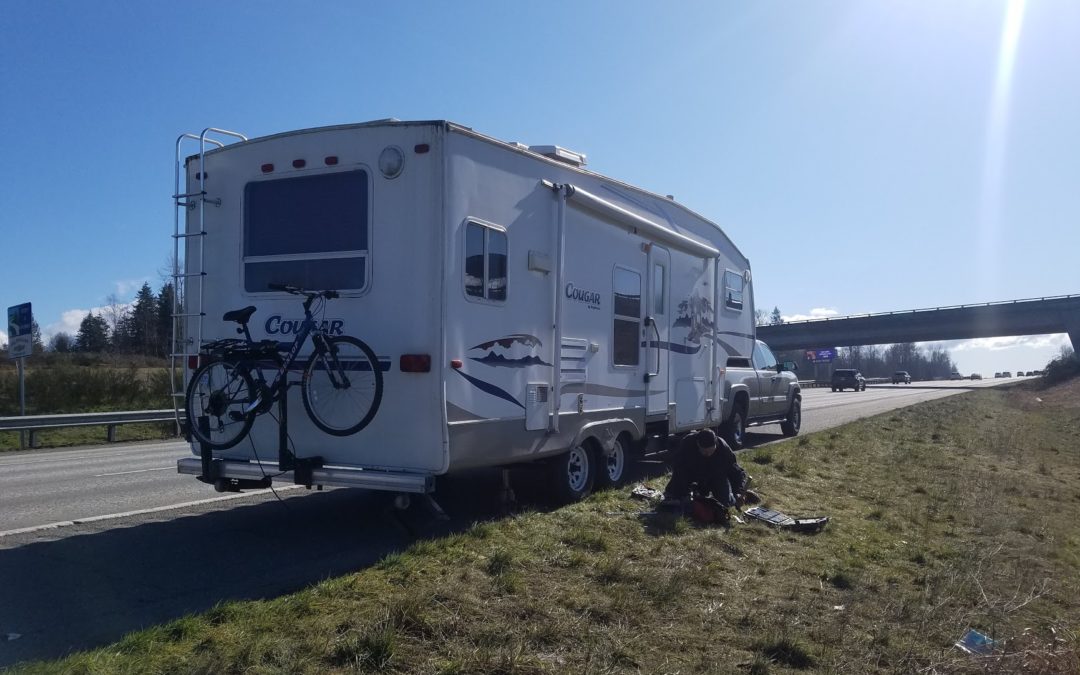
(704, 469)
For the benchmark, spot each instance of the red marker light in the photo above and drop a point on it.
(421, 148)
(267, 168)
(299, 163)
(192, 362)
(331, 160)
(415, 363)
(456, 364)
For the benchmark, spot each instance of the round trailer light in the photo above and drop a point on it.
(391, 161)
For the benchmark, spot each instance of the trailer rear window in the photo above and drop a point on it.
(310, 231)
(733, 290)
(485, 262)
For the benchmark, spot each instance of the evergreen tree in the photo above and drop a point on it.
(38, 346)
(93, 335)
(61, 343)
(775, 319)
(142, 324)
(164, 319)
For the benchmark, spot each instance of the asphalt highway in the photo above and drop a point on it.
(96, 542)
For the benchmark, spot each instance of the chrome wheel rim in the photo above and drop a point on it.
(577, 469)
(616, 462)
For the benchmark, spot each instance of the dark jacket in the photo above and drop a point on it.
(719, 474)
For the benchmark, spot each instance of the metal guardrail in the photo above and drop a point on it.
(110, 420)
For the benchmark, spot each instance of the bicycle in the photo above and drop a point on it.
(342, 381)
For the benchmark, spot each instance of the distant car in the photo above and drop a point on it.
(955, 376)
(1031, 373)
(998, 374)
(901, 376)
(1006, 374)
(848, 378)
(976, 376)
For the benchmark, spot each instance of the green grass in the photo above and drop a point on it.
(963, 512)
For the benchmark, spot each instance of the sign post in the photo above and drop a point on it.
(21, 345)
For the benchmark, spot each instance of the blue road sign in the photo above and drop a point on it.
(20, 331)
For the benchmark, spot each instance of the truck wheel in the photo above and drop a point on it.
(734, 430)
(613, 465)
(572, 475)
(791, 426)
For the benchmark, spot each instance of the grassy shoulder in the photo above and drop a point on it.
(958, 513)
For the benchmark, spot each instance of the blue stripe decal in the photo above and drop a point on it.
(489, 388)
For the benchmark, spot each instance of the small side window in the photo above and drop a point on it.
(658, 289)
(733, 290)
(486, 252)
(626, 336)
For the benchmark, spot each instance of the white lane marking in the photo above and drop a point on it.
(66, 456)
(124, 473)
(140, 512)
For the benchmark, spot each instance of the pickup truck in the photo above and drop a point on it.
(758, 391)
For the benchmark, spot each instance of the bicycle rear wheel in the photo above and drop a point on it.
(220, 392)
(342, 386)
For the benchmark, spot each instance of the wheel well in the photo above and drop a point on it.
(742, 402)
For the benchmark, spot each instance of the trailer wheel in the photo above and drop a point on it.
(573, 474)
(735, 429)
(613, 465)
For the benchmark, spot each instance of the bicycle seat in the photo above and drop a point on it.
(240, 316)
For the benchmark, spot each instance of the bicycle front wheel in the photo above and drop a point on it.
(217, 397)
(342, 386)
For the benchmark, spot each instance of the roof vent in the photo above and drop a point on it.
(559, 154)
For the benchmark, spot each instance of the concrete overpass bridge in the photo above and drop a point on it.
(1034, 316)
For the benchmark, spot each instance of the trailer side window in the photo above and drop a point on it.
(485, 262)
(658, 289)
(733, 290)
(627, 329)
(309, 231)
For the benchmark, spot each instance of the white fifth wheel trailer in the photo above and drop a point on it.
(522, 308)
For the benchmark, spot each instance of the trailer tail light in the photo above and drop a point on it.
(267, 168)
(456, 364)
(415, 363)
(331, 160)
(193, 362)
(299, 163)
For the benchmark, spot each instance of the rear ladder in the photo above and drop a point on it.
(187, 307)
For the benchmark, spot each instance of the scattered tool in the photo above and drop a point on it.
(786, 522)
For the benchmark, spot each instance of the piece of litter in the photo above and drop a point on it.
(1038, 400)
(646, 492)
(838, 608)
(786, 522)
(976, 643)
(738, 520)
(13, 636)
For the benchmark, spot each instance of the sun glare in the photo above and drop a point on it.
(997, 129)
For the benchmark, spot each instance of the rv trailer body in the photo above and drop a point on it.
(520, 275)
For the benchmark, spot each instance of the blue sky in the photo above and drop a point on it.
(928, 152)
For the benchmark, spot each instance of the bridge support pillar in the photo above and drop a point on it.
(1072, 326)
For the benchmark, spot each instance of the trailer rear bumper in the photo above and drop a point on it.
(369, 479)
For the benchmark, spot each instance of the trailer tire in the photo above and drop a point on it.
(572, 474)
(734, 430)
(614, 466)
(791, 426)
